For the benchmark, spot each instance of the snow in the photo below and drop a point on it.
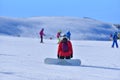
(23, 59)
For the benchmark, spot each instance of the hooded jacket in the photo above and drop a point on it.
(62, 53)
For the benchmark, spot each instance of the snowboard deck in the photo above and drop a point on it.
(65, 62)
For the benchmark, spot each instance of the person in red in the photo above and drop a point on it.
(41, 33)
(65, 50)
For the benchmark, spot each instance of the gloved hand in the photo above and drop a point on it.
(58, 55)
(71, 55)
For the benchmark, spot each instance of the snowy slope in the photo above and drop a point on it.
(23, 59)
(81, 28)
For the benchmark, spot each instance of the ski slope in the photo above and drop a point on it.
(23, 59)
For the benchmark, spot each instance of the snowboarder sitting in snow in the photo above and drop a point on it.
(115, 37)
(65, 49)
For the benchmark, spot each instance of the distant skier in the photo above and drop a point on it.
(41, 33)
(115, 37)
(68, 35)
(119, 35)
(65, 49)
(58, 36)
(111, 37)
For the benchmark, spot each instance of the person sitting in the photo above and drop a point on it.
(65, 50)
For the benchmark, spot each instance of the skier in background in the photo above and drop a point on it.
(111, 37)
(58, 36)
(119, 35)
(68, 35)
(41, 33)
(115, 37)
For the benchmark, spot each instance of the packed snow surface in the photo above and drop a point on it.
(23, 59)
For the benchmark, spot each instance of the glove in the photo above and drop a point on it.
(58, 55)
(71, 55)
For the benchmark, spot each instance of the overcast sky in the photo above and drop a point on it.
(103, 10)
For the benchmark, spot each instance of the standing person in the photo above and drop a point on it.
(65, 50)
(58, 36)
(111, 37)
(68, 34)
(41, 33)
(119, 36)
(115, 37)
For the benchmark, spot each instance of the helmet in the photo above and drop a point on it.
(60, 31)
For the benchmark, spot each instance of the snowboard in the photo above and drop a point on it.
(64, 62)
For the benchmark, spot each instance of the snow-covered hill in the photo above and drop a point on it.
(81, 28)
(23, 59)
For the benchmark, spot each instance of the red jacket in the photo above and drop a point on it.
(61, 53)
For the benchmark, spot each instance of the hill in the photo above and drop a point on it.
(81, 28)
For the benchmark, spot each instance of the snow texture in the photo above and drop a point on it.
(23, 59)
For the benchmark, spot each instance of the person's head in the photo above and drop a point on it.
(64, 39)
(60, 31)
(69, 31)
(42, 29)
(115, 33)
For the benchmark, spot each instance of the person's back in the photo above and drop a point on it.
(115, 38)
(68, 34)
(41, 32)
(58, 34)
(65, 49)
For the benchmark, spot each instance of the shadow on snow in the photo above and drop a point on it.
(100, 67)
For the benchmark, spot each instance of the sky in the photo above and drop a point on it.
(103, 10)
